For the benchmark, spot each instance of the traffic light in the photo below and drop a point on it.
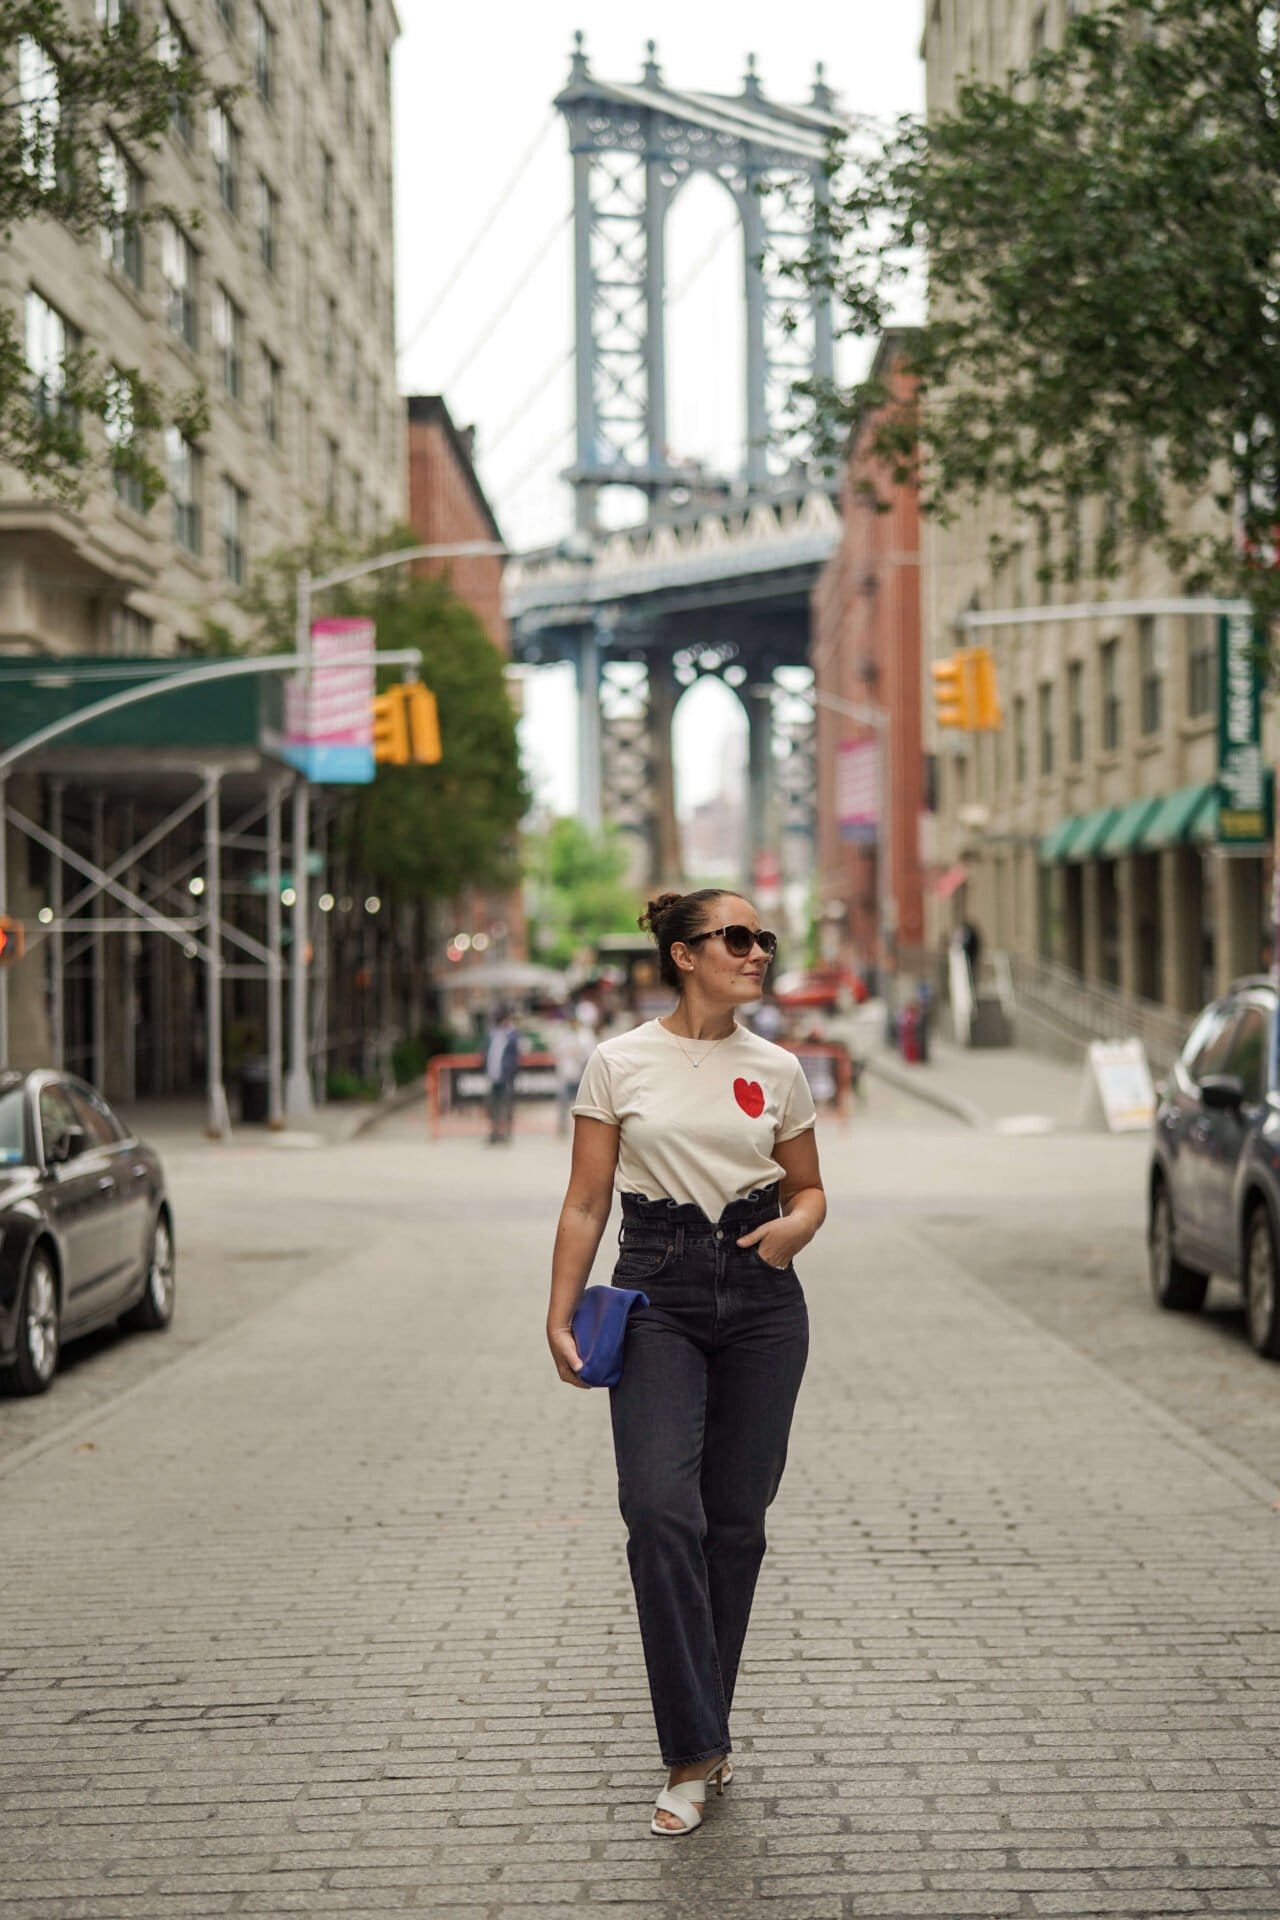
(952, 693)
(391, 728)
(424, 725)
(406, 726)
(13, 940)
(987, 718)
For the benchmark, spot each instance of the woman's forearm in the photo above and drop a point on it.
(577, 1239)
(808, 1208)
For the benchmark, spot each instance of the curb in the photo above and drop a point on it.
(907, 1081)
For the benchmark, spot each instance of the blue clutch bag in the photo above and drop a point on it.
(599, 1327)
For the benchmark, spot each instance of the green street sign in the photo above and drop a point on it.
(1242, 800)
(261, 880)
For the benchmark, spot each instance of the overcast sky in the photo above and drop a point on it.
(484, 266)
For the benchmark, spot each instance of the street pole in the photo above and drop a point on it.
(4, 886)
(297, 1093)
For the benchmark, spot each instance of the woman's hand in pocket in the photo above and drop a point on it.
(777, 1242)
(564, 1351)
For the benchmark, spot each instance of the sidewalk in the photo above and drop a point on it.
(180, 1125)
(997, 1089)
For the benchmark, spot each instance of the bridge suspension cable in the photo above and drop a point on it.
(487, 332)
(482, 232)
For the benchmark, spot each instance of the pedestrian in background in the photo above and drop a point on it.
(501, 1064)
(708, 1131)
(573, 1041)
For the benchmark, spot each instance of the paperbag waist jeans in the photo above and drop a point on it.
(701, 1419)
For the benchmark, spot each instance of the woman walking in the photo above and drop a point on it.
(707, 1129)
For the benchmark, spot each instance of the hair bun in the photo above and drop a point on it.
(653, 913)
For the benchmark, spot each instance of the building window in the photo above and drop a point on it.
(109, 13)
(353, 504)
(122, 238)
(323, 47)
(235, 515)
(178, 270)
(353, 375)
(268, 226)
(224, 145)
(1202, 659)
(272, 397)
(228, 340)
(121, 430)
(1046, 728)
(39, 113)
(227, 13)
(175, 51)
(353, 229)
(331, 479)
(1109, 661)
(1152, 673)
(329, 337)
(349, 100)
(131, 631)
(48, 340)
(183, 462)
(326, 184)
(1039, 30)
(368, 26)
(264, 56)
(1075, 704)
(370, 153)
(1019, 740)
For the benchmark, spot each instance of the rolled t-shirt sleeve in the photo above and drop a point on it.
(595, 1094)
(799, 1112)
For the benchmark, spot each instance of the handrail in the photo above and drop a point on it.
(1084, 1010)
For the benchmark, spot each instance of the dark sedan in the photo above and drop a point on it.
(1215, 1173)
(86, 1233)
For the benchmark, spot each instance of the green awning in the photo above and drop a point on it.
(1094, 829)
(1125, 832)
(1175, 817)
(1054, 845)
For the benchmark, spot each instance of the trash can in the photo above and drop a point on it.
(255, 1092)
(909, 1033)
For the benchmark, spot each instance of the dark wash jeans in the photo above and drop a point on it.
(701, 1418)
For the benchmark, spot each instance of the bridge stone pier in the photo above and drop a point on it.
(717, 577)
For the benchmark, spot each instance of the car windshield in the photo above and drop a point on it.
(13, 1150)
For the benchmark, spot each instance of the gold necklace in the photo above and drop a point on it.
(698, 1064)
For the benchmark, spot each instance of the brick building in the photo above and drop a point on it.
(865, 649)
(447, 507)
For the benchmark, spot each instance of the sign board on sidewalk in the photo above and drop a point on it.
(329, 735)
(1117, 1086)
(858, 789)
(1242, 800)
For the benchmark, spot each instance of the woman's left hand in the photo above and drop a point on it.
(777, 1242)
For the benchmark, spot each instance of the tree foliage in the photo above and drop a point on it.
(1102, 235)
(578, 889)
(74, 101)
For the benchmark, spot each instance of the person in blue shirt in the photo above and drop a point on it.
(501, 1064)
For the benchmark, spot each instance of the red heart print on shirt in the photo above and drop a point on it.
(749, 1095)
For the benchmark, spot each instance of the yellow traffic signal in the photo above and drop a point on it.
(952, 704)
(987, 717)
(424, 725)
(406, 726)
(13, 940)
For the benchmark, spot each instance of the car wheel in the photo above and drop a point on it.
(39, 1318)
(1177, 1288)
(155, 1309)
(1261, 1294)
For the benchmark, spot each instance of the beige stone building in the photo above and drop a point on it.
(1089, 823)
(273, 292)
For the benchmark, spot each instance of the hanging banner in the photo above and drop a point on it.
(328, 730)
(1242, 799)
(858, 789)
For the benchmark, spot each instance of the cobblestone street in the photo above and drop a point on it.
(326, 1610)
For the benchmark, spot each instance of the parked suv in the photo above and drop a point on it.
(1215, 1170)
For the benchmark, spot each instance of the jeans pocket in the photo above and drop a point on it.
(635, 1265)
(759, 1260)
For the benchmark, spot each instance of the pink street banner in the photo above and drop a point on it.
(858, 789)
(329, 736)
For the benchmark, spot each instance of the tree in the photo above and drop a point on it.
(1102, 237)
(579, 889)
(75, 103)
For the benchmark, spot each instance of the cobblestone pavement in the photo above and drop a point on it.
(330, 1614)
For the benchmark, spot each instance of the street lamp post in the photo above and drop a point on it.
(297, 1093)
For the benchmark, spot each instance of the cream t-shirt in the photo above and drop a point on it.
(698, 1119)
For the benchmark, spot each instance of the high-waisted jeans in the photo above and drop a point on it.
(701, 1419)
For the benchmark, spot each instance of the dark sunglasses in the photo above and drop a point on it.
(740, 940)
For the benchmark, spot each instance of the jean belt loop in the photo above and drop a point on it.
(680, 1241)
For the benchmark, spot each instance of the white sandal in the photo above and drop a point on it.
(685, 1800)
